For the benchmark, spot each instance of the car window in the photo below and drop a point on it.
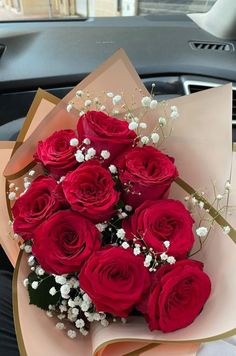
(11, 10)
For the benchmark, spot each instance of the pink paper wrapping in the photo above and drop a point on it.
(201, 145)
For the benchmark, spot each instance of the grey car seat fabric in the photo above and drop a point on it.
(9, 131)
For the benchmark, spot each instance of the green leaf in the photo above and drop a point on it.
(40, 296)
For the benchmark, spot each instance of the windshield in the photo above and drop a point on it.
(11, 10)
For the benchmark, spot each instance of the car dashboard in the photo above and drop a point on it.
(168, 50)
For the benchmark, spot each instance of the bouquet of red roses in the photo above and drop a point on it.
(105, 239)
(96, 202)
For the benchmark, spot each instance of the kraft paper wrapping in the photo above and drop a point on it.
(201, 145)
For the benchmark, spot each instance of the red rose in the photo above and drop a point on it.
(114, 279)
(42, 199)
(90, 191)
(64, 242)
(146, 174)
(178, 296)
(105, 133)
(56, 154)
(159, 221)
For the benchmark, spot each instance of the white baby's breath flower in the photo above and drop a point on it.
(60, 326)
(146, 101)
(74, 142)
(226, 229)
(12, 196)
(85, 306)
(162, 121)
(136, 250)
(26, 185)
(12, 185)
(147, 261)
(101, 227)
(105, 154)
(166, 244)
(194, 201)
(31, 261)
(52, 291)
(102, 108)
(144, 140)
(49, 314)
(155, 137)
(35, 285)
(84, 332)
(120, 233)
(79, 323)
(86, 141)
(201, 204)
(133, 125)
(116, 99)
(201, 231)
(110, 95)
(219, 197)
(104, 323)
(60, 280)
(173, 108)
(69, 107)
(28, 249)
(87, 102)
(171, 260)
(65, 289)
(128, 208)
(153, 104)
(174, 115)
(75, 311)
(227, 186)
(81, 113)
(71, 334)
(125, 245)
(143, 125)
(31, 173)
(112, 169)
(79, 93)
(91, 152)
(79, 156)
(26, 282)
(163, 256)
(40, 271)
(71, 303)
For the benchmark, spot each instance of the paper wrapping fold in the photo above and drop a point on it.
(201, 145)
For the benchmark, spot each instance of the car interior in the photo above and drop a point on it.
(181, 51)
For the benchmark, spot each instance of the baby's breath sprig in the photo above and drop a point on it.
(208, 213)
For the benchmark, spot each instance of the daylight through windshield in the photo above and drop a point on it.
(56, 9)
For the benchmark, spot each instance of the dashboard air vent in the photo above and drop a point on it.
(194, 88)
(212, 46)
(2, 49)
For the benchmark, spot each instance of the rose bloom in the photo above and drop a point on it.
(42, 199)
(90, 191)
(177, 296)
(146, 174)
(114, 279)
(64, 242)
(159, 221)
(105, 133)
(56, 154)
